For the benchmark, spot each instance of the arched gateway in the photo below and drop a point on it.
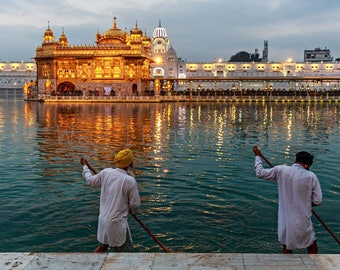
(66, 89)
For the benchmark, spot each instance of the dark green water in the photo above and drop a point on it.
(194, 168)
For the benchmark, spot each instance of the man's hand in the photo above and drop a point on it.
(83, 161)
(257, 151)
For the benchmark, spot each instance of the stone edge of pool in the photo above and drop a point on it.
(154, 261)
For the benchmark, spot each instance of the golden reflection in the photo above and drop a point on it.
(233, 113)
(199, 114)
(289, 126)
(220, 123)
(149, 128)
(204, 134)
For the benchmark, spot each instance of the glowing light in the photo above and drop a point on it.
(158, 60)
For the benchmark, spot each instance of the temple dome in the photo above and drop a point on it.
(136, 30)
(159, 32)
(63, 39)
(172, 52)
(48, 32)
(48, 35)
(114, 34)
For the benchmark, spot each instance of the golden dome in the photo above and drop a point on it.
(114, 34)
(48, 35)
(136, 30)
(48, 32)
(63, 39)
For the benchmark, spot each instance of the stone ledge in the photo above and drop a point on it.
(160, 261)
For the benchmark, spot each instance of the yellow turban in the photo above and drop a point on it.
(123, 158)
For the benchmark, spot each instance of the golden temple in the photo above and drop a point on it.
(118, 64)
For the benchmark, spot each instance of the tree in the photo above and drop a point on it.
(245, 57)
(240, 57)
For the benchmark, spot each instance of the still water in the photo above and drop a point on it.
(193, 164)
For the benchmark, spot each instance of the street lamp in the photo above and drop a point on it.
(233, 87)
(241, 90)
(190, 90)
(265, 88)
(308, 90)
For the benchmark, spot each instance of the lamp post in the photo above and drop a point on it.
(308, 91)
(266, 89)
(168, 88)
(241, 90)
(233, 88)
(190, 90)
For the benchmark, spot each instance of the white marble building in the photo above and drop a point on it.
(13, 76)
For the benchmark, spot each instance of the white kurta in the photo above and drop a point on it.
(119, 195)
(298, 189)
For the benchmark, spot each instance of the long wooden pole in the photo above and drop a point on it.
(314, 213)
(150, 233)
(139, 221)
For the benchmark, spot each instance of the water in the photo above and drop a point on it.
(194, 168)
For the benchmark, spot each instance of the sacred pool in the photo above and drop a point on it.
(193, 164)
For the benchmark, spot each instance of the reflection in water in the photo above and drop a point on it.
(193, 163)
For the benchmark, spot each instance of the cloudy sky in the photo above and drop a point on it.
(199, 30)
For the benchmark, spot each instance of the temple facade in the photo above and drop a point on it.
(118, 64)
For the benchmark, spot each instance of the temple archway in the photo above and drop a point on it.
(66, 89)
(134, 90)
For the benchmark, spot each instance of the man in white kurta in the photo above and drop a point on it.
(299, 190)
(119, 196)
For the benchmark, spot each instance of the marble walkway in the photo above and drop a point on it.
(160, 261)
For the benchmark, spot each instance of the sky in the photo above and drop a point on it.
(199, 30)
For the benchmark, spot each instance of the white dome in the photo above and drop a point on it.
(159, 32)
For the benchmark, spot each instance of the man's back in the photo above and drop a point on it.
(118, 194)
(298, 188)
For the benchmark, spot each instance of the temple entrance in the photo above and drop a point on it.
(134, 90)
(67, 89)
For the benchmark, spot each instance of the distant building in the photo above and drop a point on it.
(165, 64)
(167, 68)
(13, 75)
(265, 52)
(317, 55)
